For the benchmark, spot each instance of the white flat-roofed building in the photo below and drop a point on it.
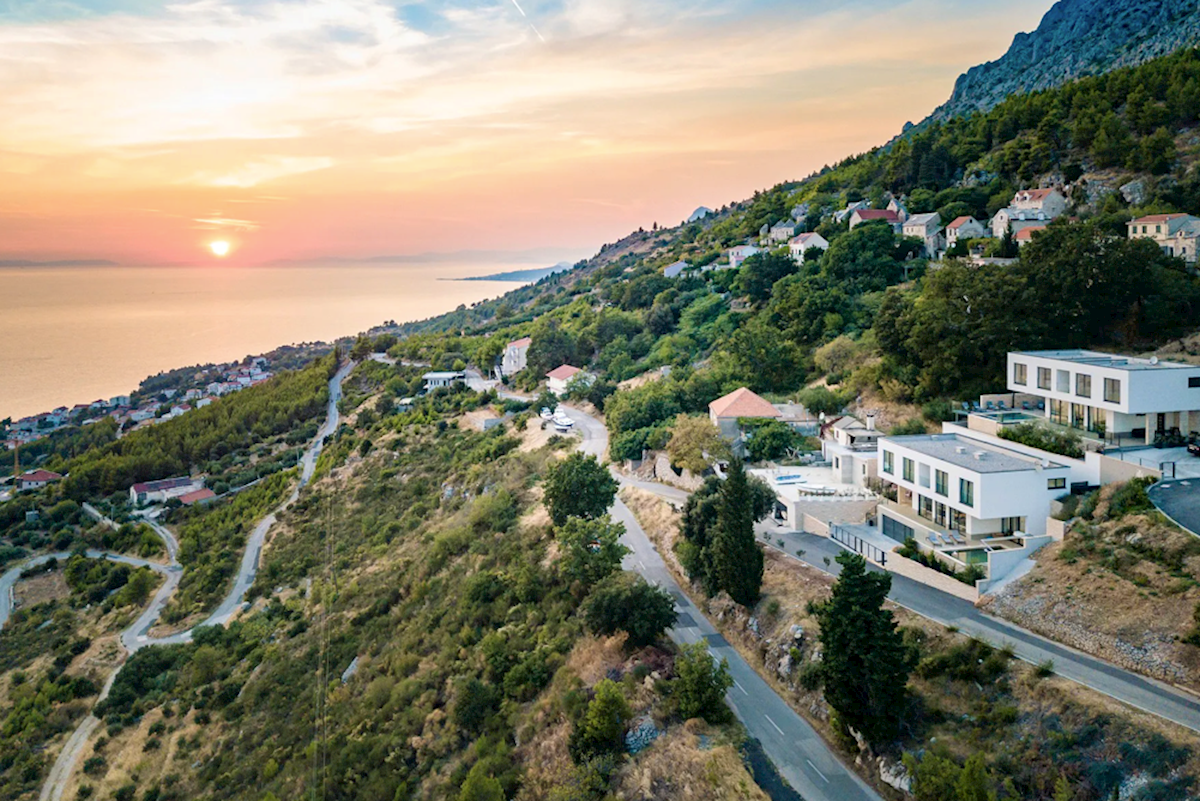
(442, 378)
(969, 485)
(851, 448)
(1110, 395)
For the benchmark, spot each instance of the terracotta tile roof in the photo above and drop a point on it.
(1156, 218)
(878, 214)
(562, 372)
(959, 221)
(742, 403)
(1034, 194)
(523, 342)
(199, 495)
(39, 475)
(1027, 233)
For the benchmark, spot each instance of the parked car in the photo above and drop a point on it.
(1194, 448)
(546, 414)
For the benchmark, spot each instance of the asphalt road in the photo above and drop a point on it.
(1130, 688)
(798, 752)
(1180, 501)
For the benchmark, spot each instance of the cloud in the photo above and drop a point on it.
(262, 171)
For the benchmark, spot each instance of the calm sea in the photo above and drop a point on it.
(74, 334)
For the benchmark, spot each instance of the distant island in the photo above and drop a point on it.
(63, 263)
(521, 276)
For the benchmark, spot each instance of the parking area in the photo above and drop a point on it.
(1185, 465)
(1180, 501)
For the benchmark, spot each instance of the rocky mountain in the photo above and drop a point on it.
(1077, 38)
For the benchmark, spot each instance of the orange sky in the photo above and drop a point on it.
(141, 131)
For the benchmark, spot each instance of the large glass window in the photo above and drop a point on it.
(1112, 390)
(1019, 373)
(1011, 525)
(966, 492)
(1078, 416)
(925, 507)
(1059, 412)
(908, 469)
(889, 465)
(1062, 381)
(1043, 378)
(942, 483)
(1083, 385)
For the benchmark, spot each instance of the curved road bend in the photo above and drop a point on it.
(798, 752)
(135, 636)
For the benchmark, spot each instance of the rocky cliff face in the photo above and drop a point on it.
(1077, 38)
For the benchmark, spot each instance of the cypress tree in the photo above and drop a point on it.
(865, 663)
(737, 562)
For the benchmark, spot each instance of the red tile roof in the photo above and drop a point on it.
(878, 214)
(959, 221)
(562, 372)
(742, 403)
(40, 475)
(1027, 233)
(523, 342)
(1034, 194)
(1156, 218)
(199, 495)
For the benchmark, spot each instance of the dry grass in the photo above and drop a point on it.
(50, 586)
(693, 762)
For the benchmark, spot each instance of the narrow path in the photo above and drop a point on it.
(791, 743)
(136, 635)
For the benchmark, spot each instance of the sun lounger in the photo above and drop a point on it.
(959, 539)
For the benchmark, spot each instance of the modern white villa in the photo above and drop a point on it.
(1109, 396)
(850, 447)
(442, 378)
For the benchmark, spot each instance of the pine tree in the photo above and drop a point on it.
(736, 559)
(866, 663)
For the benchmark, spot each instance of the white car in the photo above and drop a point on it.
(546, 413)
(562, 422)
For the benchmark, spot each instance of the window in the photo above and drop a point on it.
(836, 464)
(1112, 390)
(908, 469)
(1158, 229)
(942, 482)
(925, 507)
(1063, 381)
(1043, 378)
(1056, 483)
(1019, 373)
(1012, 525)
(889, 465)
(966, 492)
(1083, 385)
(923, 476)
(1194, 382)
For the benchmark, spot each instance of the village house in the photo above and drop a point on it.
(783, 230)
(36, 479)
(927, 228)
(1029, 207)
(560, 379)
(964, 228)
(726, 411)
(442, 378)
(803, 242)
(739, 254)
(870, 215)
(844, 214)
(1177, 234)
(849, 446)
(515, 356)
(799, 213)
(197, 496)
(161, 491)
(896, 205)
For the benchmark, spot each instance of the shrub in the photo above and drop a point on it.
(627, 603)
(700, 684)
(602, 728)
(1038, 436)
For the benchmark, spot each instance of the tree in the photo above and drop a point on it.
(475, 702)
(758, 274)
(602, 728)
(625, 602)
(699, 524)
(700, 684)
(864, 260)
(591, 549)
(695, 443)
(737, 561)
(480, 786)
(770, 439)
(818, 400)
(865, 663)
(579, 486)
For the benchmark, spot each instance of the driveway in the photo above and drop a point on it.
(1180, 501)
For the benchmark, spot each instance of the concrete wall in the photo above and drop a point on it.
(926, 575)
(1001, 563)
(664, 472)
(1056, 529)
(835, 510)
(1109, 469)
(813, 525)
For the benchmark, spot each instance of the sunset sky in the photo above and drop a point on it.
(143, 131)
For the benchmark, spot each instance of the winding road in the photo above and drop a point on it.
(136, 636)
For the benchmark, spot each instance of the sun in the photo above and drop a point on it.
(219, 248)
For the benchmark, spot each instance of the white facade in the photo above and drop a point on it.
(515, 356)
(927, 228)
(674, 269)
(782, 231)
(739, 254)
(437, 380)
(799, 244)
(965, 228)
(965, 483)
(1109, 394)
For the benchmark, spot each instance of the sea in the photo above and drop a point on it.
(76, 334)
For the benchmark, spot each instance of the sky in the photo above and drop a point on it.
(144, 131)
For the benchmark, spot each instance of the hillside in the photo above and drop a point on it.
(1076, 38)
